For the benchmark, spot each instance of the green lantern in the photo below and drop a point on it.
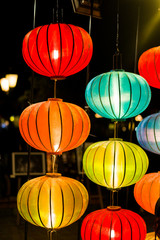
(118, 94)
(115, 163)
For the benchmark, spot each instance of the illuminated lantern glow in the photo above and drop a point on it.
(52, 201)
(113, 223)
(115, 163)
(54, 126)
(148, 66)
(151, 236)
(148, 133)
(147, 191)
(118, 94)
(57, 50)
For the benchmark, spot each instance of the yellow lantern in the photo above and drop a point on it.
(115, 163)
(151, 236)
(52, 201)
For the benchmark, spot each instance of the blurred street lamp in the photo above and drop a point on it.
(12, 78)
(5, 84)
(8, 82)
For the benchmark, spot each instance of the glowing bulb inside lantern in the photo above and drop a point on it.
(112, 233)
(55, 54)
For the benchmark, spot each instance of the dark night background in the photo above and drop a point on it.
(16, 19)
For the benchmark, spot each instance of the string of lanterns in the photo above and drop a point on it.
(52, 201)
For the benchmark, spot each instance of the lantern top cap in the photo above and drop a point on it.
(115, 139)
(53, 175)
(55, 99)
(113, 208)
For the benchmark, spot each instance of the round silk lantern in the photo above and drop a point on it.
(115, 163)
(118, 94)
(147, 191)
(52, 201)
(148, 133)
(57, 50)
(113, 223)
(149, 66)
(54, 126)
(151, 236)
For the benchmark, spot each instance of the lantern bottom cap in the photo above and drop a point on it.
(58, 78)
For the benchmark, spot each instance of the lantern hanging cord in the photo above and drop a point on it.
(55, 81)
(34, 14)
(52, 235)
(90, 29)
(136, 44)
(117, 35)
(57, 11)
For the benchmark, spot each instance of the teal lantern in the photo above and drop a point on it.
(148, 133)
(118, 94)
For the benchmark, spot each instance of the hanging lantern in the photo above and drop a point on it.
(54, 126)
(151, 236)
(57, 50)
(113, 223)
(115, 163)
(147, 191)
(148, 66)
(147, 133)
(52, 201)
(118, 95)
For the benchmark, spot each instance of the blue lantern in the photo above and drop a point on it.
(148, 133)
(118, 94)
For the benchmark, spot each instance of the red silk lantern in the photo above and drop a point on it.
(147, 191)
(54, 126)
(57, 50)
(149, 66)
(113, 223)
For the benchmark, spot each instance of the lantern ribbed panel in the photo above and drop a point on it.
(52, 201)
(118, 95)
(148, 66)
(57, 50)
(147, 191)
(151, 236)
(107, 224)
(54, 126)
(148, 133)
(115, 164)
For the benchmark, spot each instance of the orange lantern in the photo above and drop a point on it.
(52, 201)
(147, 191)
(54, 126)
